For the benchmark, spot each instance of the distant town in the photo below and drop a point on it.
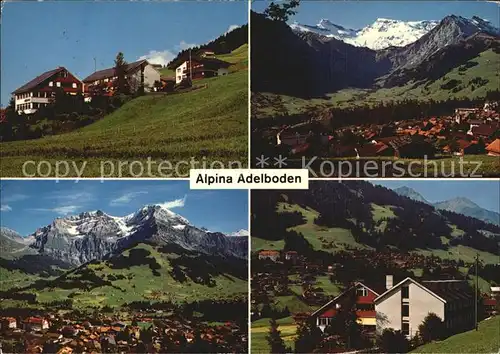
(156, 332)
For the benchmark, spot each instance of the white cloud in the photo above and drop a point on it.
(15, 198)
(5, 207)
(156, 57)
(177, 203)
(61, 210)
(64, 197)
(183, 45)
(126, 198)
(163, 57)
(232, 28)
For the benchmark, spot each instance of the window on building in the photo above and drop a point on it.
(74, 84)
(51, 84)
(324, 321)
(405, 292)
(361, 292)
(405, 328)
(58, 84)
(405, 309)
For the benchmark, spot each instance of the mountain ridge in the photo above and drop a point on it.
(334, 65)
(460, 205)
(88, 236)
(385, 33)
(381, 34)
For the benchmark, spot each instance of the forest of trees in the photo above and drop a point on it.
(224, 44)
(348, 205)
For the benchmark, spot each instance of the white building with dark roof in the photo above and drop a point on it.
(405, 305)
(137, 73)
(40, 91)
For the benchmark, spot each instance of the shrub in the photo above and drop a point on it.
(391, 341)
(432, 328)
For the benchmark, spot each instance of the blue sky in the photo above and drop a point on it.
(27, 205)
(358, 14)
(40, 36)
(483, 193)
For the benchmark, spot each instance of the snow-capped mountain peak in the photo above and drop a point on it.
(93, 235)
(241, 232)
(384, 32)
(381, 34)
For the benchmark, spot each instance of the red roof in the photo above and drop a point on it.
(490, 302)
(34, 320)
(463, 144)
(372, 149)
(484, 129)
(494, 146)
(269, 252)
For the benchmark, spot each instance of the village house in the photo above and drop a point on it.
(269, 254)
(364, 305)
(405, 305)
(484, 130)
(8, 323)
(139, 73)
(493, 149)
(40, 91)
(206, 53)
(462, 114)
(35, 324)
(291, 256)
(201, 67)
(292, 138)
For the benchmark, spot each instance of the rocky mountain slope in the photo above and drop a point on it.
(94, 235)
(381, 34)
(304, 63)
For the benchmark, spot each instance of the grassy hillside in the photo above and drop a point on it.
(484, 66)
(336, 239)
(260, 329)
(142, 273)
(238, 57)
(209, 124)
(485, 340)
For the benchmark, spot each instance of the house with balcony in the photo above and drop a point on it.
(40, 91)
(8, 323)
(405, 305)
(270, 254)
(360, 297)
(137, 74)
(201, 67)
(35, 324)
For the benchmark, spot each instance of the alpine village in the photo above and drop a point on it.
(393, 90)
(356, 267)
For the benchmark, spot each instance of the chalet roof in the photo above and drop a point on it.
(463, 144)
(450, 290)
(38, 80)
(110, 72)
(494, 146)
(268, 252)
(209, 62)
(372, 149)
(34, 320)
(405, 281)
(484, 129)
(325, 306)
